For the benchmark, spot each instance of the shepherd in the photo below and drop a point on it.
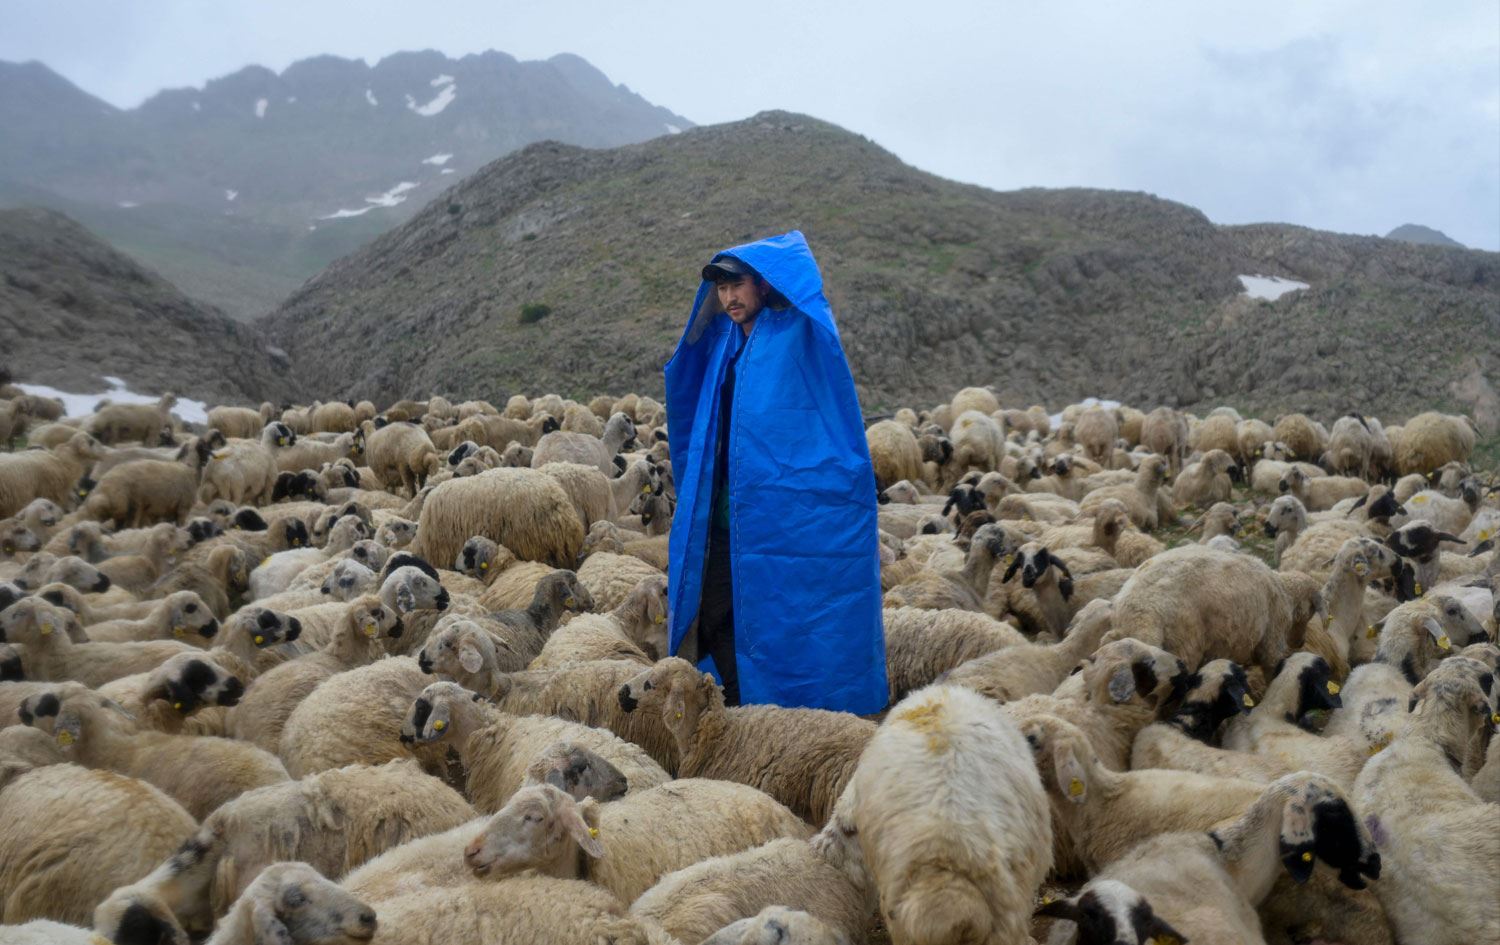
(774, 567)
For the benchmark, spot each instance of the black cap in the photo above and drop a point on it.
(726, 268)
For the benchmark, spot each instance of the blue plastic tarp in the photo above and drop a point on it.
(804, 555)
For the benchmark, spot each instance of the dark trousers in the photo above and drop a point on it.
(716, 616)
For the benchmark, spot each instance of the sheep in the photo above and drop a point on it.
(1014, 672)
(199, 772)
(1452, 515)
(145, 492)
(294, 903)
(978, 443)
(12, 669)
(17, 539)
(1359, 562)
(894, 453)
(813, 876)
(1435, 833)
(45, 474)
(224, 574)
(588, 489)
(921, 644)
(1205, 482)
(562, 446)
(511, 582)
(1276, 728)
(118, 423)
(1202, 604)
(951, 820)
(402, 456)
(647, 834)
(1147, 506)
(1285, 522)
(239, 422)
(801, 757)
(1096, 430)
(1251, 436)
(1050, 583)
(244, 471)
(1165, 431)
(1267, 473)
(634, 630)
(1300, 435)
(524, 510)
(1218, 692)
(1206, 886)
(1429, 440)
(496, 748)
(45, 631)
(1418, 543)
(262, 714)
(167, 696)
(42, 517)
(1351, 447)
(1318, 494)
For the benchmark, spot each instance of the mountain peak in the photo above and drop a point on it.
(1426, 236)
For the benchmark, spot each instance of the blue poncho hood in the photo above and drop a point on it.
(804, 540)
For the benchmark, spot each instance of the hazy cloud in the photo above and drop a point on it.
(1344, 115)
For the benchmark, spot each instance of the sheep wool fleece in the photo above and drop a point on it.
(803, 534)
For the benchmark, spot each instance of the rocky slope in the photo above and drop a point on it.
(240, 190)
(1048, 295)
(73, 311)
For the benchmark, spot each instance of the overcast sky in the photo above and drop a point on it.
(1348, 115)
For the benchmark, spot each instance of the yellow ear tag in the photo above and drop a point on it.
(259, 639)
(82, 494)
(1333, 688)
(1419, 500)
(679, 715)
(1495, 717)
(570, 601)
(661, 620)
(65, 738)
(177, 706)
(265, 559)
(221, 454)
(46, 628)
(439, 725)
(1075, 788)
(1371, 633)
(1380, 743)
(1048, 900)
(1009, 559)
(1361, 569)
(1418, 589)
(645, 489)
(179, 631)
(1249, 702)
(1444, 644)
(1327, 622)
(593, 833)
(1307, 857)
(484, 565)
(371, 629)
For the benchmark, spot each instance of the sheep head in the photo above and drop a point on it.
(540, 827)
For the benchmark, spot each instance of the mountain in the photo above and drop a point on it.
(1427, 236)
(73, 311)
(1049, 295)
(240, 190)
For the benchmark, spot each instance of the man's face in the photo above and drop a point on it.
(741, 298)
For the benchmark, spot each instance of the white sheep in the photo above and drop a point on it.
(951, 819)
(1014, 672)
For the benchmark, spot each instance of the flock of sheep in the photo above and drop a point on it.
(328, 674)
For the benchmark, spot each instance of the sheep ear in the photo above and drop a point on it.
(470, 658)
(266, 928)
(585, 836)
(1122, 683)
(1070, 774)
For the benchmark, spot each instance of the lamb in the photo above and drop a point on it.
(145, 492)
(648, 834)
(1251, 436)
(70, 835)
(1285, 521)
(262, 714)
(1218, 431)
(42, 517)
(402, 456)
(1165, 431)
(244, 471)
(562, 446)
(1096, 430)
(1358, 562)
(1431, 440)
(1143, 500)
(921, 644)
(894, 453)
(1276, 728)
(963, 590)
(1206, 886)
(1019, 671)
(978, 443)
(951, 819)
(1050, 583)
(45, 474)
(1205, 482)
(496, 748)
(801, 757)
(524, 510)
(43, 569)
(1203, 604)
(511, 582)
(1218, 692)
(823, 877)
(294, 903)
(1351, 447)
(179, 616)
(200, 773)
(1318, 494)
(143, 423)
(166, 697)
(635, 630)
(1436, 834)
